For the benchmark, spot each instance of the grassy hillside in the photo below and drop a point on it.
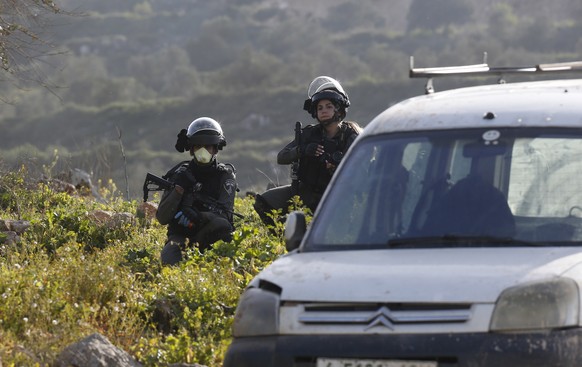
(132, 74)
(89, 138)
(72, 275)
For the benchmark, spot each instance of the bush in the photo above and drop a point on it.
(71, 276)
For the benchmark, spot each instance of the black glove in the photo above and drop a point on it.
(185, 179)
(183, 220)
(187, 217)
(192, 214)
(310, 149)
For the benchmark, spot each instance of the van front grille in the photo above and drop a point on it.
(383, 314)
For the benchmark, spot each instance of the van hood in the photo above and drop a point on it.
(415, 275)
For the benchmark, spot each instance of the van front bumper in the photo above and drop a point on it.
(555, 348)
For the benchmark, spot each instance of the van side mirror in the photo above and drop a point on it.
(295, 227)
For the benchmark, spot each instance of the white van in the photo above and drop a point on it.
(451, 235)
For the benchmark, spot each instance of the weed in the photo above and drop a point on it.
(72, 275)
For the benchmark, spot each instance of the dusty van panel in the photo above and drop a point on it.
(547, 103)
(451, 235)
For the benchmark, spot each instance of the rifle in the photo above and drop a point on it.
(213, 205)
(295, 165)
(155, 183)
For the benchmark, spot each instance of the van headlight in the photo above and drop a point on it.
(537, 306)
(257, 313)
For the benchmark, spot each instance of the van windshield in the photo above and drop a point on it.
(474, 187)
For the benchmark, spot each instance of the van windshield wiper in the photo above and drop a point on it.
(450, 240)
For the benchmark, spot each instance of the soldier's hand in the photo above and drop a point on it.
(330, 167)
(185, 179)
(191, 213)
(183, 220)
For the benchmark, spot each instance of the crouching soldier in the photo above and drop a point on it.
(199, 208)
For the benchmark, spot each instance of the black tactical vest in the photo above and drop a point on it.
(312, 170)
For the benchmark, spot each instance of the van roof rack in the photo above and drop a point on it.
(484, 70)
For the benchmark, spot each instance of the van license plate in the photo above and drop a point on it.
(326, 362)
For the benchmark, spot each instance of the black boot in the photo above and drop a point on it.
(263, 209)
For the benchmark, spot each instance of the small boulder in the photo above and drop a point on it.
(101, 216)
(94, 351)
(147, 210)
(9, 237)
(19, 226)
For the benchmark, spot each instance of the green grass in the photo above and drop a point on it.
(70, 277)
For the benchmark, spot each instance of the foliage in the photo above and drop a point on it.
(149, 68)
(16, 26)
(438, 13)
(71, 276)
(22, 40)
(351, 15)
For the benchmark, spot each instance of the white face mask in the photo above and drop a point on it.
(202, 156)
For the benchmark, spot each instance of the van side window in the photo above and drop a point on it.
(545, 177)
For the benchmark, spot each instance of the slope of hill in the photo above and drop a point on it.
(146, 69)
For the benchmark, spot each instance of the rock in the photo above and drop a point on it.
(101, 216)
(81, 182)
(147, 210)
(119, 219)
(19, 226)
(9, 237)
(60, 186)
(10, 230)
(111, 219)
(80, 178)
(94, 351)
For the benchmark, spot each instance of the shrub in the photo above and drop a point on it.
(71, 276)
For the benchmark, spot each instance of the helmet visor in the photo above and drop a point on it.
(205, 137)
(324, 82)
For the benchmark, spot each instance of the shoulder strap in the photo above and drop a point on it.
(227, 167)
(173, 170)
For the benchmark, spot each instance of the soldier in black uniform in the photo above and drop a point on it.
(200, 206)
(320, 151)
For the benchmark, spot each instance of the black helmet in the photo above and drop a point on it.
(205, 131)
(202, 131)
(325, 87)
